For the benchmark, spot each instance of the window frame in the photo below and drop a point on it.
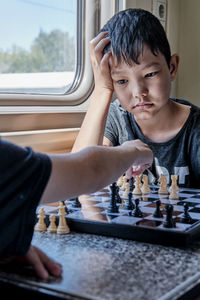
(36, 113)
(83, 81)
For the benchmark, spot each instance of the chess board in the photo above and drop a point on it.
(93, 217)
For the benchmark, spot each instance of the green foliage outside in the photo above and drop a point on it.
(50, 52)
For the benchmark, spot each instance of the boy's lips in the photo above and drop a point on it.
(143, 106)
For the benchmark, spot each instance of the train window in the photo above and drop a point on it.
(38, 46)
(44, 51)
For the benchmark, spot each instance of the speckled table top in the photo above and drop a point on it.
(98, 267)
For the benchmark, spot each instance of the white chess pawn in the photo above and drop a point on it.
(52, 228)
(62, 226)
(124, 180)
(174, 188)
(41, 226)
(120, 181)
(145, 187)
(174, 185)
(173, 194)
(127, 187)
(137, 189)
(163, 185)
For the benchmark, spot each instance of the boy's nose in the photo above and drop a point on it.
(139, 91)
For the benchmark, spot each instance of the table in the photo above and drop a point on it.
(99, 267)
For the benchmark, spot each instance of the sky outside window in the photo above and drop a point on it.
(22, 20)
(37, 45)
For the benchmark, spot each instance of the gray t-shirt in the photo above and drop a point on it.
(179, 156)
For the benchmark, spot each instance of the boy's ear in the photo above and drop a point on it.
(174, 65)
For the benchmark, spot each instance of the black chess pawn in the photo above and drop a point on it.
(130, 205)
(169, 222)
(186, 218)
(137, 212)
(158, 213)
(113, 208)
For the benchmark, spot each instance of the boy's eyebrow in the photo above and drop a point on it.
(151, 64)
(116, 72)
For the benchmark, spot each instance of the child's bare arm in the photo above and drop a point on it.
(92, 129)
(93, 168)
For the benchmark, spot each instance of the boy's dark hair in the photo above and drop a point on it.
(130, 29)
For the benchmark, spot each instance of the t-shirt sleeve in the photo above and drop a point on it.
(23, 178)
(111, 128)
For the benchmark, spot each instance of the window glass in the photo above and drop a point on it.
(38, 46)
(120, 5)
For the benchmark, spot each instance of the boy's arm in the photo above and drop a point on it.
(93, 168)
(92, 129)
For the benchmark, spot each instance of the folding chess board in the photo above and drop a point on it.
(93, 217)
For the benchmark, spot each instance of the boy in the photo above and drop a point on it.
(131, 57)
(27, 178)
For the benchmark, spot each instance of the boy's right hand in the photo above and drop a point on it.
(100, 63)
(143, 157)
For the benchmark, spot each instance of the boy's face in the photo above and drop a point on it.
(143, 89)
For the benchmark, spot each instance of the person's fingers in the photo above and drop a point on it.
(129, 173)
(35, 261)
(97, 45)
(105, 59)
(99, 37)
(52, 266)
(136, 170)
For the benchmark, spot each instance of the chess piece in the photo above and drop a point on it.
(113, 208)
(163, 185)
(123, 187)
(145, 187)
(113, 188)
(169, 222)
(137, 189)
(158, 213)
(118, 198)
(174, 185)
(173, 195)
(62, 226)
(174, 188)
(120, 181)
(140, 180)
(52, 228)
(131, 183)
(127, 186)
(186, 216)
(130, 205)
(41, 226)
(137, 212)
(76, 203)
(66, 208)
